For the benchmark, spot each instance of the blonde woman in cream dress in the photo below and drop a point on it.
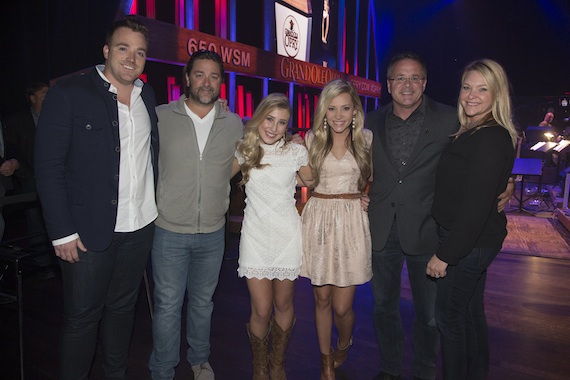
(336, 236)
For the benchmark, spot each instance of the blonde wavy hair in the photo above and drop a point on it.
(249, 146)
(496, 78)
(355, 141)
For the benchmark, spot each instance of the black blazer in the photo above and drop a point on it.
(408, 196)
(77, 158)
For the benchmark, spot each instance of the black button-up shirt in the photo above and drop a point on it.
(402, 135)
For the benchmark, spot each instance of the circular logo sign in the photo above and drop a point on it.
(291, 36)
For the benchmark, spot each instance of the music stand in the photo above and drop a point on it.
(525, 167)
(543, 146)
(563, 144)
(534, 134)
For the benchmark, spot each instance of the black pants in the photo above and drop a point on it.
(100, 292)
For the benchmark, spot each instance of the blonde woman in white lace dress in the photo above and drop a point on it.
(336, 237)
(270, 244)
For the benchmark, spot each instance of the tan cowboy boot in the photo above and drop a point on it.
(259, 347)
(279, 341)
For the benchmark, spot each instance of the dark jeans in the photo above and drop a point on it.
(100, 291)
(387, 267)
(460, 316)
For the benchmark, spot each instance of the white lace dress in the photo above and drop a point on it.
(270, 245)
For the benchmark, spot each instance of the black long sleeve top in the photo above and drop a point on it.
(471, 174)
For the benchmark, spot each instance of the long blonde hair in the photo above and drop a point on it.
(496, 78)
(355, 141)
(249, 146)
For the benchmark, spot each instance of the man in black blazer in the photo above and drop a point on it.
(95, 160)
(409, 135)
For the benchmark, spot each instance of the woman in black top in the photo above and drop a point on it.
(472, 172)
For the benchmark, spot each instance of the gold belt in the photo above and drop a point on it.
(337, 196)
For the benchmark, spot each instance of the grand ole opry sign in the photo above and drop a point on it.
(172, 44)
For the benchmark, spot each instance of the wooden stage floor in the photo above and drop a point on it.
(528, 311)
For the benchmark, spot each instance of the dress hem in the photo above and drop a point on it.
(337, 285)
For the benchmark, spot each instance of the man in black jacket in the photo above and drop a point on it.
(96, 163)
(409, 135)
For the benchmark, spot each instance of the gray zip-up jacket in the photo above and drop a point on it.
(193, 193)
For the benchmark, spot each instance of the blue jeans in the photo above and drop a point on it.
(100, 292)
(460, 316)
(387, 267)
(183, 263)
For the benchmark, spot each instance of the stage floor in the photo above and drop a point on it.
(527, 302)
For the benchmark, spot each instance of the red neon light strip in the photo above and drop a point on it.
(222, 18)
(344, 43)
(196, 14)
(180, 13)
(240, 101)
(170, 84)
(299, 111)
(307, 113)
(150, 9)
(248, 104)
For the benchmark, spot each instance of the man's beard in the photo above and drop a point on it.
(209, 99)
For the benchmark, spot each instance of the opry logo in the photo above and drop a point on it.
(291, 35)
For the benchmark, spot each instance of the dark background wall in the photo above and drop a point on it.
(531, 38)
(44, 39)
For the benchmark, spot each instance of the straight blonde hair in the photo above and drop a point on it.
(496, 78)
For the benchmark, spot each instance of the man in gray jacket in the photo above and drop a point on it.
(198, 140)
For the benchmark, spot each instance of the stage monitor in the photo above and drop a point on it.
(534, 134)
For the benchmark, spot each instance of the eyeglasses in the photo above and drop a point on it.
(413, 79)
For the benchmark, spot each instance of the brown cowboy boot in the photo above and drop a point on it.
(279, 341)
(259, 347)
(327, 366)
(341, 353)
